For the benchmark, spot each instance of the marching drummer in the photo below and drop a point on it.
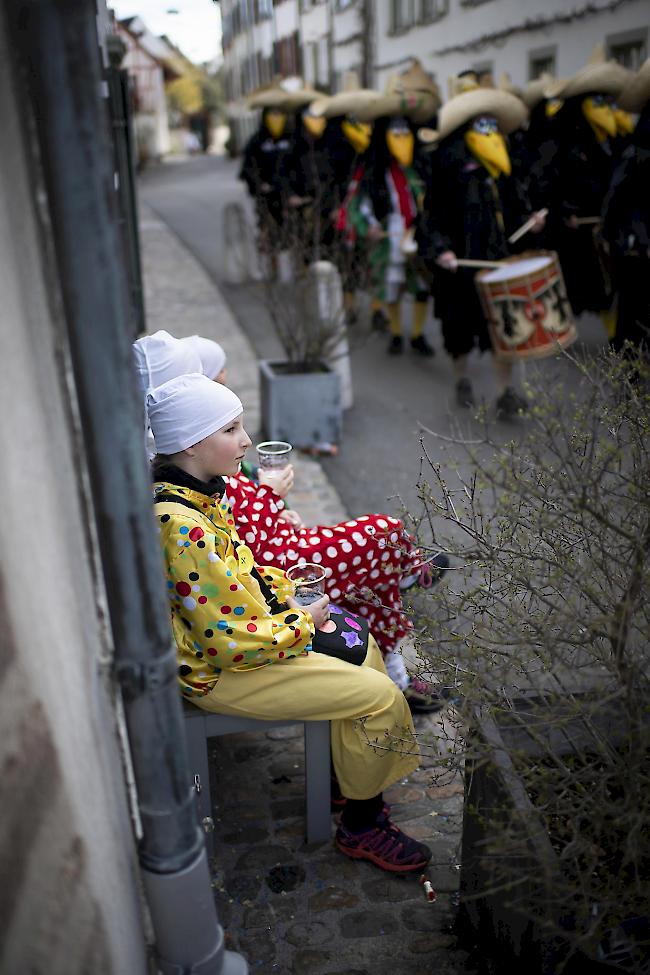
(473, 203)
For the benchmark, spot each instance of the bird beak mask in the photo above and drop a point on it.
(599, 112)
(401, 142)
(357, 133)
(275, 122)
(486, 143)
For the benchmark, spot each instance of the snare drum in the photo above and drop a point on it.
(526, 305)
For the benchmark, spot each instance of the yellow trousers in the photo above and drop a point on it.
(373, 743)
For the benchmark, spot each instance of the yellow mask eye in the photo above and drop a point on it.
(357, 133)
(401, 146)
(600, 115)
(553, 106)
(314, 125)
(490, 149)
(275, 122)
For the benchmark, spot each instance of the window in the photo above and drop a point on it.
(629, 48)
(401, 15)
(343, 4)
(430, 10)
(541, 62)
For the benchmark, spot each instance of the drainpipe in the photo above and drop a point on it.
(57, 61)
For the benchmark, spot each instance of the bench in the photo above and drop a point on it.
(201, 725)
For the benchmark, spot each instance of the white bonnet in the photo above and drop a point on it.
(187, 409)
(212, 356)
(161, 357)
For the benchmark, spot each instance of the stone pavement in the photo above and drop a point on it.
(290, 908)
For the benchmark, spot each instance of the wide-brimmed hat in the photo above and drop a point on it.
(287, 95)
(413, 94)
(267, 96)
(509, 111)
(352, 100)
(637, 91)
(301, 98)
(506, 84)
(536, 90)
(598, 75)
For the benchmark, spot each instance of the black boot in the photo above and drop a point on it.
(422, 347)
(396, 345)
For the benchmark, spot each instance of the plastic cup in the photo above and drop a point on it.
(309, 580)
(273, 457)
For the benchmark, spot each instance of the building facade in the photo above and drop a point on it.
(322, 40)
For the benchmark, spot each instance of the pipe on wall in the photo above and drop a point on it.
(57, 59)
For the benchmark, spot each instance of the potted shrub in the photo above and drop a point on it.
(303, 395)
(546, 631)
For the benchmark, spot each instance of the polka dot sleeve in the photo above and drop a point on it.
(219, 618)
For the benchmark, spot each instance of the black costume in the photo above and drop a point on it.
(263, 166)
(318, 170)
(584, 171)
(626, 228)
(470, 213)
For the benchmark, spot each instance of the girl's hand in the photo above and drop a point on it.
(292, 517)
(319, 610)
(280, 481)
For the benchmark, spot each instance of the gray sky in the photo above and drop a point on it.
(196, 28)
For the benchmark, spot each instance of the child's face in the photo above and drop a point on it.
(223, 451)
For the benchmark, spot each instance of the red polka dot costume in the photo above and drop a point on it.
(364, 558)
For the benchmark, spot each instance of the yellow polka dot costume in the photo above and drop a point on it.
(220, 618)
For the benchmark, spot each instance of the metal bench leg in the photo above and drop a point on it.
(317, 781)
(197, 748)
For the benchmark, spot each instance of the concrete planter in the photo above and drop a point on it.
(303, 408)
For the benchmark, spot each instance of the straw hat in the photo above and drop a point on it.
(505, 84)
(267, 96)
(598, 75)
(300, 98)
(509, 111)
(287, 95)
(637, 91)
(413, 93)
(352, 100)
(537, 91)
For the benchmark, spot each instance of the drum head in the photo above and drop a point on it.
(514, 269)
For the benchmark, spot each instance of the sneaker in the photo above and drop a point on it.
(422, 347)
(396, 345)
(384, 845)
(426, 576)
(464, 393)
(378, 321)
(511, 404)
(422, 697)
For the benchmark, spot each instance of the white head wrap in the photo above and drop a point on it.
(212, 356)
(188, 409)
(161, 357)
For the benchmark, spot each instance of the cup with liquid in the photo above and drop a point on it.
(309, 580)
(273, 457)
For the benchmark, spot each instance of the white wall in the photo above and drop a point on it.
(464, 27)
(67, 856)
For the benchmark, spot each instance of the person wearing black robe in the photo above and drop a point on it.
(472, 204)
(263, 172)
(586, 130)
(626, 222)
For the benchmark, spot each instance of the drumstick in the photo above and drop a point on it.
(586, 220)
(468, 262)
(525, 227)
